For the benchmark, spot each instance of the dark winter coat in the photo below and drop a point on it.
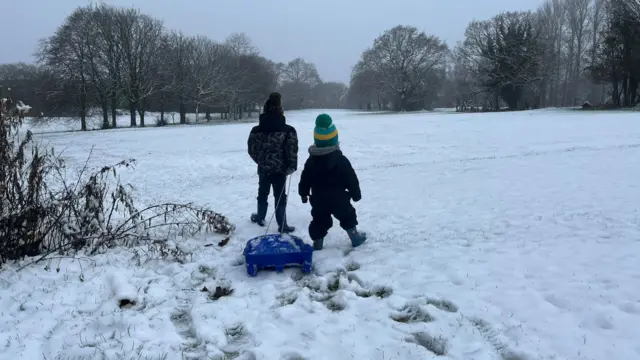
(329, 176)
(273, 145)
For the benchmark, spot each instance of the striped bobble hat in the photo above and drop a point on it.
(325, 133)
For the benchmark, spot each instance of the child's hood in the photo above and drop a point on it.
(325, 157)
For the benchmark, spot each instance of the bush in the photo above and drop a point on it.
(44, 211)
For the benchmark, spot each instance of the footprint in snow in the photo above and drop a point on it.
(352, 266)
(328, 288)
(238, 338)
(287, 298)
(442, 304)
(411, 313)
(292, 356)
(437, 345)
(415, 311)
(630, 308)
(192, 346)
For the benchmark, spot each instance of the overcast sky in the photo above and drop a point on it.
(330, 33)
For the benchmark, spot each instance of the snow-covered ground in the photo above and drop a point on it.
(123, 120)
(492, 236)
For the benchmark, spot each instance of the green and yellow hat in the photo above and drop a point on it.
(325, 133)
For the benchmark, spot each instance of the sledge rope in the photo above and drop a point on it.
(284, 220)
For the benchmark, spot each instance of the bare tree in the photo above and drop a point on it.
(104, 23)
(96, 60)
(578, 15)
(208, 76)
(241, 44)
(262, 80)
(252, 77)
(504, 55)
(330, 95)
(139, 40)
(363, 90)
(405, 60)
(179, 60)
(67, 54)
(596, 19)
(570, 32)
(298, 78)
(162, 70)
(618, 54)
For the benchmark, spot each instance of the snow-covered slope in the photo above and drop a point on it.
(492, 236)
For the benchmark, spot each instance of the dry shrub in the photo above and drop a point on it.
(43, 211)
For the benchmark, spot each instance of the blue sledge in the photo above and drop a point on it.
(277, 251)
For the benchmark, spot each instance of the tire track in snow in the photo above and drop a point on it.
(504, 157)
(231, 178)
(493, 337)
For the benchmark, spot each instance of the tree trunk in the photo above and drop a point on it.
(141, 110)
(162, 111)
(105, 114)
(83, 111)
(633, 91)
(615, 97)
(625, 91)
(183, 113)
(132, 112)
(114, 109)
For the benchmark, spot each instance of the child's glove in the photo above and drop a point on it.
(305, 199)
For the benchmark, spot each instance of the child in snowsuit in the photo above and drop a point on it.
(273, 145)
(329, 182)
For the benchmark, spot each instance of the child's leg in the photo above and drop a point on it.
(346, 214)
(280, 197)
(264, 187)
(320, 224)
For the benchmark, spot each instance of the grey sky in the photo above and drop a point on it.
(330, 33)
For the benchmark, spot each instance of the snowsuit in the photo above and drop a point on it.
(330, 182)
(273, 146)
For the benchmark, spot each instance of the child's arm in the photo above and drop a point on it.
(253, 145)
(304, 187)
(353, 185)
(291, 151)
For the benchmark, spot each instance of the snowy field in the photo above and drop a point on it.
(511, 236)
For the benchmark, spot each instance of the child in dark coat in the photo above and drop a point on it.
(329, 182)
(273, 145)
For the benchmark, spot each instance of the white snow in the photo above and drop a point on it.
(491, 236)
(122, 289)
(22, 108)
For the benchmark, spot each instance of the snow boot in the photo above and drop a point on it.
(258, 218)
(281, 219)
(318, 244)
(357, 237)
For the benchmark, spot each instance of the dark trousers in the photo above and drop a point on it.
(277, 182)
(321, 211)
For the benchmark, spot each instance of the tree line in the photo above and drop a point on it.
(111, 58)
(566, 53)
